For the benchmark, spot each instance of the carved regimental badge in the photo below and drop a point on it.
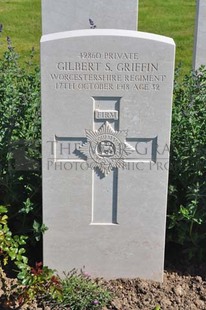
(106, 149)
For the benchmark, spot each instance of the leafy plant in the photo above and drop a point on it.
(9, 292)
(187, 190)
(41, 282)
(39, 286)
(80, 292)
(20, 169)
(11, 247)
(38, 283)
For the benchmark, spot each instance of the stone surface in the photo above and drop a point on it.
(200, 35)
(106, 114)
(65, 15)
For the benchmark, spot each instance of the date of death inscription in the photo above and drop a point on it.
(107, 72)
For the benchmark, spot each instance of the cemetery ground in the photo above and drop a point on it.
(181, 290)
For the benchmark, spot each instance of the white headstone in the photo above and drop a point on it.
(65, 15)
(106, 116)
(200, 35)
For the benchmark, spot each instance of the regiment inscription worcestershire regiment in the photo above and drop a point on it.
(106, 110)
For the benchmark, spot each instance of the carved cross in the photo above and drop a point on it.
(105, 149)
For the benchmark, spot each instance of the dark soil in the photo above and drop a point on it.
(183, 290)
(178, 291)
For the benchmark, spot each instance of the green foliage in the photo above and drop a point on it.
(40, 282)
(11, 247)
(79, 292)
(39, 286)
(187, 191)
(10, 292)
(20, 171)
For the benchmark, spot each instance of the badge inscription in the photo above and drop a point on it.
(106, 148)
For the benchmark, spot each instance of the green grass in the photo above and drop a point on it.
(174, 18)
(21, 21)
